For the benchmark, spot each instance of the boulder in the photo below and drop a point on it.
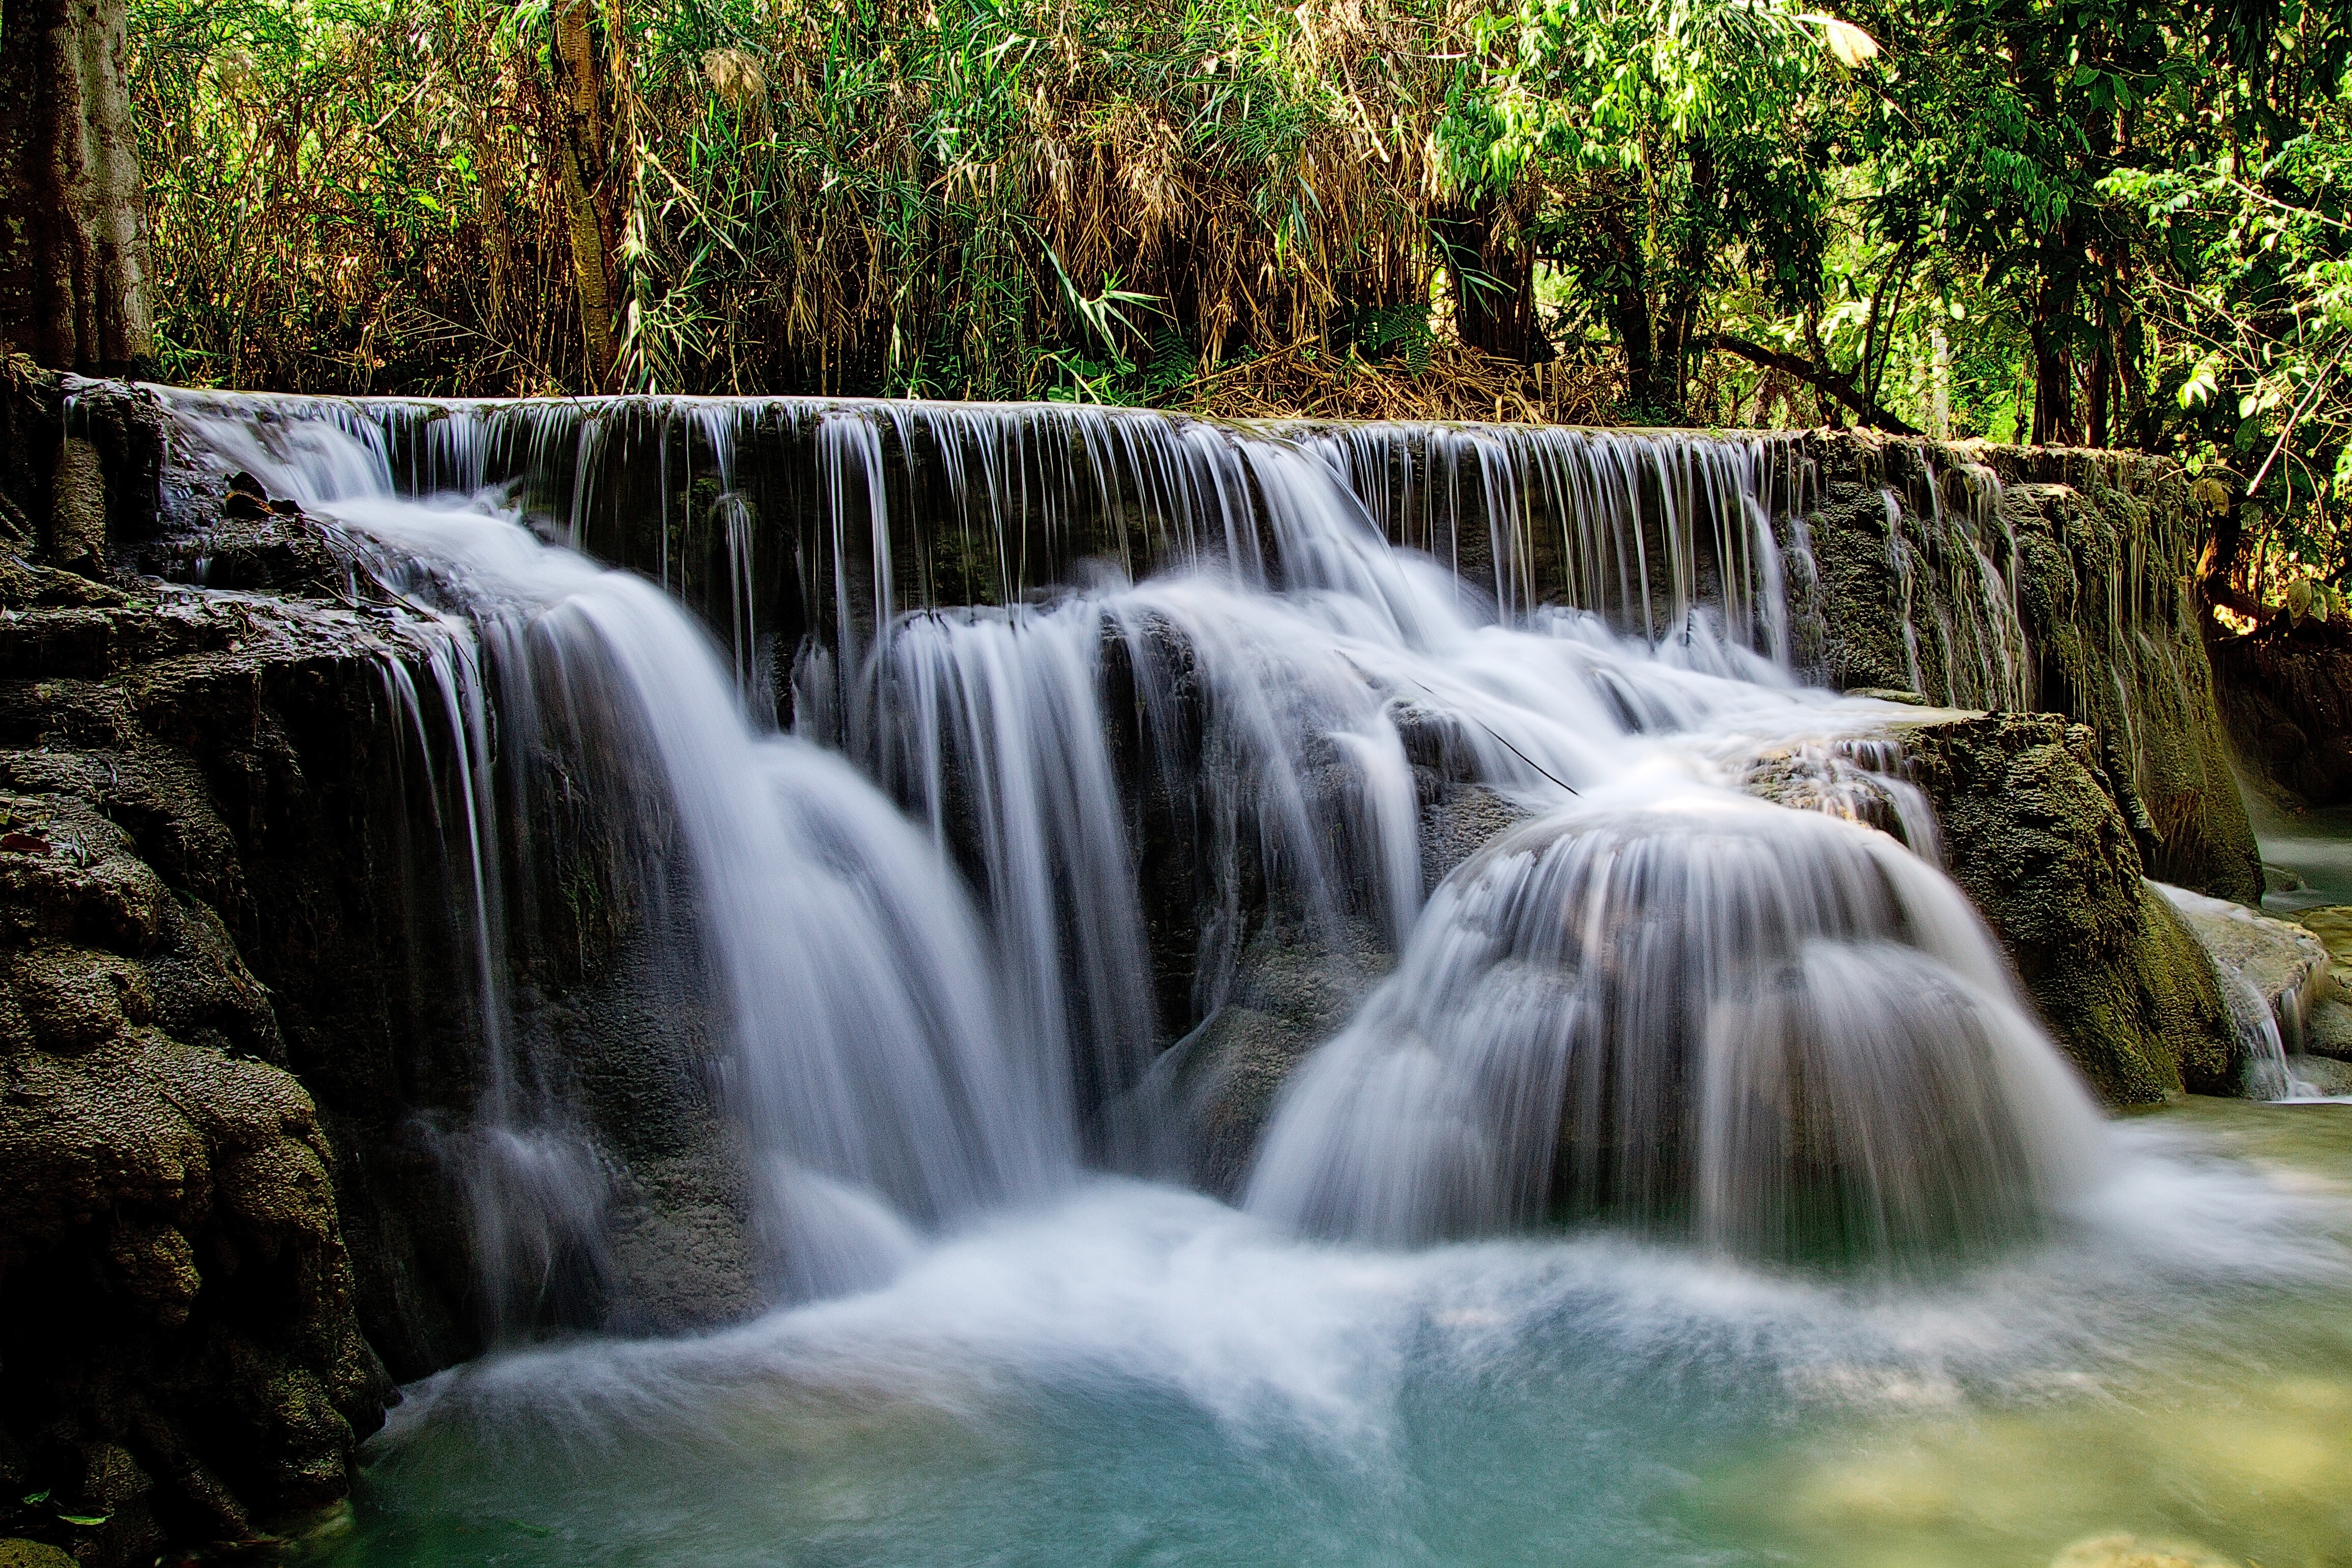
(1297, 985)
(2027, 579)
(2278, 964)
(2327, 1020)
(2037, 831)
(172, 1245)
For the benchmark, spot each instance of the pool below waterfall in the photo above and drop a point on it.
(1139, 1374)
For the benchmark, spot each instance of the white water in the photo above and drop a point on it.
(1731, 1031)
(868, 1065)
(1771, 1030)
(1784, 1027)
(1141, 1374)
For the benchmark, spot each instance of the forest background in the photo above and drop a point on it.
(2114, 222)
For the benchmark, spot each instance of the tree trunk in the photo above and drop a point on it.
(2099, 397)
(73, 219)
(1680, 342)
(1494, 285)
(2053, 390)
(579, 169)
(1939, 383)
(1629, 313)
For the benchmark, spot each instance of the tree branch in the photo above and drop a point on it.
(1838, 386)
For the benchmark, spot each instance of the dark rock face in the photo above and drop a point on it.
(75, 472)
(241, 1041)
(186, 926)
(2037, 831)
(1295, 988)
(1297, 985)
(2327, 1024)
(1888, 589)
(2286, 694)
(211, 1223)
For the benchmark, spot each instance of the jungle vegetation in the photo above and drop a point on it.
(2099, 222)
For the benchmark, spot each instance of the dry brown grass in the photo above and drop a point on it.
(1459, 384)
(818, 197)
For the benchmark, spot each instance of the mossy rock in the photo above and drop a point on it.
(2035, 835)
(19, 1552)
(1889, 590)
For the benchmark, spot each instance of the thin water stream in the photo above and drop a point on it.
(1695, 1189)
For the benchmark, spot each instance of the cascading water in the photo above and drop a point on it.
(1772, 1029)
(952, 933)
(868, 1065)
(1298, 686)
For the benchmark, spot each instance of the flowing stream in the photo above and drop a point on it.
(1683, 1179)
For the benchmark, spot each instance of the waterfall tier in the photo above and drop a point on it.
(1978, 576)
(1205, 682)
(1771, 1029)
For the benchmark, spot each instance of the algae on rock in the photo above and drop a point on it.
(2028, 581)
(2036, 832)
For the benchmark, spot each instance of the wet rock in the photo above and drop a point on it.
(259, 547)
(2283, 965)
(1462, 820)
(79, 465)
(1297, 986)
(169, 1238)
(2332, 924)
(2327, 1075)
(118, 1492)
(2133, 1551)
(2328, 1022)
(2279, 880)
(683, 1243)
(1889, 590)
(2034, 834)
(86, 885)
(76, 536)
(187, 804)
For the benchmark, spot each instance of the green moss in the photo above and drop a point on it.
(2097, 549)
(2037, 837)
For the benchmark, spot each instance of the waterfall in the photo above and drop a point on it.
(857, 512)
(1772, 1029)
(1080, 699)
(868, 1059)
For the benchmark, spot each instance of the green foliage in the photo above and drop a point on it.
(845, 196)
(2258, 305)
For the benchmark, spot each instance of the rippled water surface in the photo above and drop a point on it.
(1140, 1375)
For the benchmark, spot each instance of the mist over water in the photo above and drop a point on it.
(1138, 1374)
(1689, 1138)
